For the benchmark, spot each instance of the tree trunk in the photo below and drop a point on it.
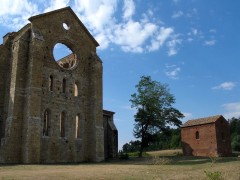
(141, 147)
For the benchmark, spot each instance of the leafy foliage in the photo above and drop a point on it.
(215, 175)
(169, 139)
(235, 133)
(155, 113)
(122, 155)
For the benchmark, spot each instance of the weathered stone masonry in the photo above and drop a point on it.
(50, 111)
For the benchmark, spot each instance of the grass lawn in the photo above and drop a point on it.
(169, 164)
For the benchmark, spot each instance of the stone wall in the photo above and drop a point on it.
(110, 135)
(52, 113)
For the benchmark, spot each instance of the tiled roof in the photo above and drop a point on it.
(200, 121)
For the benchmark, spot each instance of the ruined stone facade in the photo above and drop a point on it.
(50, 111)
(206, 137)
(110, 135)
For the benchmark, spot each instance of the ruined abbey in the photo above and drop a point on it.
(51, 110)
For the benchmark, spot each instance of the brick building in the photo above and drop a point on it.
(51, 109)
(208, 136)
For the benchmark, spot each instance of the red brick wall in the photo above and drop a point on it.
(206, 145)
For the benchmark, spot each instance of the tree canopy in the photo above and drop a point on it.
(155, 113)
(235, 133)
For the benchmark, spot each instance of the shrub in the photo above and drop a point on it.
(123, 155)
(236, 143)
(215, 175)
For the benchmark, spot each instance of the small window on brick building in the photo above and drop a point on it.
(64, 84)
(197, 135)
(75, 89)
(46, 122)
(50, 83)
(77, 126)
(62, 124)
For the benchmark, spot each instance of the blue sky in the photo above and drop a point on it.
(192, 45)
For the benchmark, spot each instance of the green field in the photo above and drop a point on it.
(169, 164)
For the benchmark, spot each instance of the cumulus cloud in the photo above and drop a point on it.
(225, 86)
(56, 4)
(162, 35)
(132, 35)
(14, 14)
(128, 9)
(143, 34)
(172, 71)
(231, 110)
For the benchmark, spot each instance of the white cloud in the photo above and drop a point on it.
(177, 14)
(172, 45)
(162, 36)
(128, 9)
(193, 12)
(132, 35)
(56, 4)
(194, 31)
(14, 14)
(225, 86)
(144, 34)
(210, 43)
(231, 110)
(172, 71)
(187, 115)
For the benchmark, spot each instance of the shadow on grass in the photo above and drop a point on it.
(172, 160)
(147, 160)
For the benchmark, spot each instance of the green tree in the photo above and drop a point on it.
(155, 113)
(132, 146)
(235, 133)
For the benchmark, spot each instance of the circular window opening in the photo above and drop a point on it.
(64, 56)
(66, 26)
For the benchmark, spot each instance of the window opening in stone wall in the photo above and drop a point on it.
(46, 123)
(64, 84)
(50, 85)
(197, 135)
(77, 126)
(66, 26)
(64, 56)
(62, 124)
(75, 89)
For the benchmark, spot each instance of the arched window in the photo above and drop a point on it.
(50, 83)
(46, 122)
(64, 84)
(62, 124)
(197, 135)
(77, 126)
(75, 89)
